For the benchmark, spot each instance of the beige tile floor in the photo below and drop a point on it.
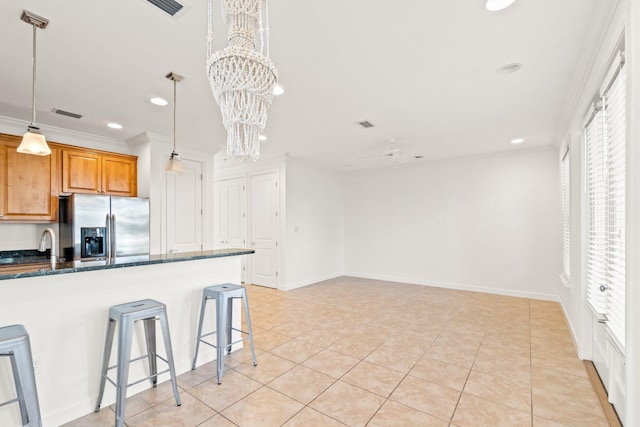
(361, 352)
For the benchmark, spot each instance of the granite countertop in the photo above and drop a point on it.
(23, 264)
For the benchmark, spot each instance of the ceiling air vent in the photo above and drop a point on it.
(169, 6)
(365, 124)
(67, 113)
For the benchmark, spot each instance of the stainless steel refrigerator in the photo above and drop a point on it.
(94, 227)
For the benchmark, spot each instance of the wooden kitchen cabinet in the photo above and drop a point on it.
(120, 175)
(96, 172)
(28, 183)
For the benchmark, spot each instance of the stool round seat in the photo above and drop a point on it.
(224, 295)
(14, 343)
(124, 315)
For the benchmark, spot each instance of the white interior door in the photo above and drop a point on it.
(264, 230)
(235, 211)
(184, 209)
(218, 228)
(229, 219)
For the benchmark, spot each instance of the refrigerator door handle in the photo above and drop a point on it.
(113, 237)
(108, 236)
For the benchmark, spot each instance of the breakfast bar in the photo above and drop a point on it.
(65, 311)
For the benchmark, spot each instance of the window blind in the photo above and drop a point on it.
(594, 144)
(605, 194)
(615, 129)
(566, 215)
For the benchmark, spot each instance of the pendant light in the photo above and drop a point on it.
(33, 141)
(175, 163)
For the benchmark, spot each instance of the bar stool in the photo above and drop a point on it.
(14, 342)
(148, 311)
(224, 295)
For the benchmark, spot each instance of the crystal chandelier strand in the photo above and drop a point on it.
(241, 78)
(266, 8)
(209, 28)
(261, 30)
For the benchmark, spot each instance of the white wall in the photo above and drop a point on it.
(315, 226)
(490, 224)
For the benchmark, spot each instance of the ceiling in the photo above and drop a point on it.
(423, 72)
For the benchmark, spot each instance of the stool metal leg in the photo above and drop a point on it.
(229, 324)
(150, 338)
(124, 354)
(23, 364)
(221, 317)
(248, 320)
(108, 342)
(203, 307)
(20, 393)
(164, 325)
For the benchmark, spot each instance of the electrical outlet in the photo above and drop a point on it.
(37, 366)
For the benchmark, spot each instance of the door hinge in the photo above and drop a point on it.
(201, 177)
(276, 274)
(276, 183)
(201, 247)
(243, 188)
(276, 243)
(201, 212)
(244, 268)
(276, 213)
(243, 215)
(243, 242)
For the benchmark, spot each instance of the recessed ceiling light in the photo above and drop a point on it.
(159, 101)
(517, 140)
(278, 89)
(509, 68)
(262, 137)
(495, 5)
(114, 125)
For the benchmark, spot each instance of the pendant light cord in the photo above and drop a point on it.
(33, 80)
(174, 115)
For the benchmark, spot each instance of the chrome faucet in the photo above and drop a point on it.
(53, 245)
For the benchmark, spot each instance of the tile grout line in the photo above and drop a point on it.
(398, 385)
(467, 379)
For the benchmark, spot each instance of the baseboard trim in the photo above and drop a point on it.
(458, 286)
(301, 283)
(609, 410)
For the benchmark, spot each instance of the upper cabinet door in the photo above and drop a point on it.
(28, 184)
(90, 172)
(119, 175)
(81, 172)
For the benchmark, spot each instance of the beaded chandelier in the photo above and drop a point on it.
(241, 77)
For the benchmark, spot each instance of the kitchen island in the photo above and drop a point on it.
(65, 311)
